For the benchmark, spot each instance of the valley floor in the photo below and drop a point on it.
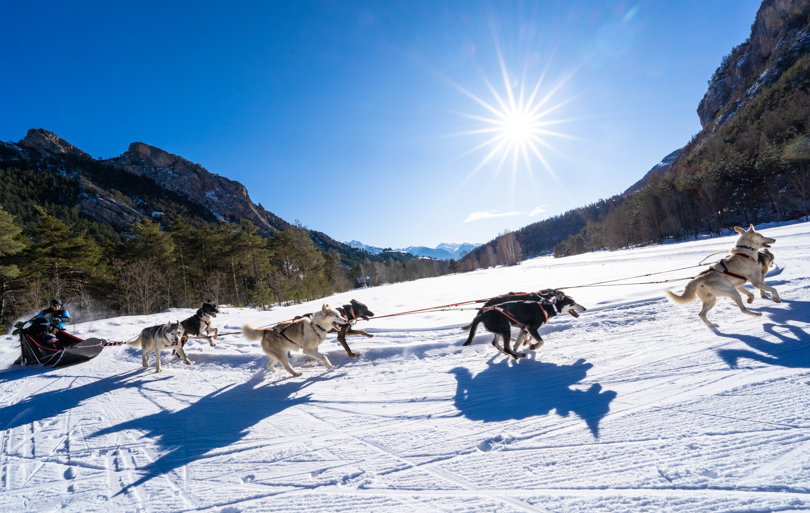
(635, 406)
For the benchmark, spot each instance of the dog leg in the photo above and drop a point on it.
(708, 303)
(208, 338)
(341, 336)
(731, 292)
(767, 288)
(285, 362)
(507, 337)
(742, 290)
(473, 327)
(359, 332)
(520, 340)
(145, 357)
(157, 358)
(536, 336)
(182, 354)
(320, 356)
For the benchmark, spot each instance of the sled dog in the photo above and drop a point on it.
(765, 259)
(306, 333)
(528, 315)
(353, 311)
(199, 325)
(728, 277)
(157, 338)
(546, 294)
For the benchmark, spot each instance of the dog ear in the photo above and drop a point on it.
(325, 308)
(751, 229)
(739, 230)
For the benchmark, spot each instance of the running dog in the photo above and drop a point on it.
(543, 295)
(199, 325)
(353, 311)
(157, 338)
(765, 260)
(529, 315)
(306, 333)
(728, 277)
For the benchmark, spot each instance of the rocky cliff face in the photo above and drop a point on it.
(225, 198)
(49, 143)
(779, 36)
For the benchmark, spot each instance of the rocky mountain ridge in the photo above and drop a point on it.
(780, 35)
(145, 181)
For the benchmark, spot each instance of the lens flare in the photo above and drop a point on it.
(518, 122)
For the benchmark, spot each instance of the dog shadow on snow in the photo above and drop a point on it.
(215, 421)
(45, 405)
(792, 348)
(530, 388)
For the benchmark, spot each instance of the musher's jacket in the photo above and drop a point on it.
(61, 317)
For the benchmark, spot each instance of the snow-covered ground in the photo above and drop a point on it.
(636, 406)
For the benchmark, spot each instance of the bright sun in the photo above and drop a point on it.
(518, 122)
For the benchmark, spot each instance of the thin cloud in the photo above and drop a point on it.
(537, 211)
(476, 216)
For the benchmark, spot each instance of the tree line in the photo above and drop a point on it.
(151, 268)
(754, 169)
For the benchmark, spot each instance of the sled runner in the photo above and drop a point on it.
(53, 348)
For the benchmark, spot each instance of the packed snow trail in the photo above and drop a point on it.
(635, 406)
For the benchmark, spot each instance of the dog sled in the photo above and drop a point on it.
(42, 345)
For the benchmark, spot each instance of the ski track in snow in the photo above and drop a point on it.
(635, 406)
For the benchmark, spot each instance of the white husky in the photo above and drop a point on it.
(306, 333)
(157, 338)
(728, 277)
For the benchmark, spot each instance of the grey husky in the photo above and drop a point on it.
(306, 333)
(728, 277)
(157, 338)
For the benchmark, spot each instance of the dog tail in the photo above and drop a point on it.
(136, 342)
(688, 295)
(252, 333)
(466, 328)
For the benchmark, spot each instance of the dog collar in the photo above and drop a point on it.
(314, 325)
(747, 247)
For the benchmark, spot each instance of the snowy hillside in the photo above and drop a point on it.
(635, 406)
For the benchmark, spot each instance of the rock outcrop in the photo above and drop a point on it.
(779, 36)
(226, 198)
(50, 144)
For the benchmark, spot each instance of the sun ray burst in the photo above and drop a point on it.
(518, 119)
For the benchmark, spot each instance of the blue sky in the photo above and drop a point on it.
(351, 116)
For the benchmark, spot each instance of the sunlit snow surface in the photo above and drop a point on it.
(636, 406)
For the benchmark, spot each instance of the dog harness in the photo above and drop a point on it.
(508, 315)
(285, 337)
(207, 323)
(725, 271)
(351, 310)
(744, 255)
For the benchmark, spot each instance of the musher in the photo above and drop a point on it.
(56, 316)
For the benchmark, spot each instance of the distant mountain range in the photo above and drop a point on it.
(443, 251)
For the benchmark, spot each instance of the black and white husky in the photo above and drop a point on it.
(199, 324)
(527, 315)
(157, 338)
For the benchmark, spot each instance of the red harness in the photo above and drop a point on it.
(725, 271)
(508, 315)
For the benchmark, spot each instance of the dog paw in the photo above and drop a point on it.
(354, 355)
(187, 362)
(777, 300)
(518, 356)
(750, 300)
(369, 335)
(213, 345)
